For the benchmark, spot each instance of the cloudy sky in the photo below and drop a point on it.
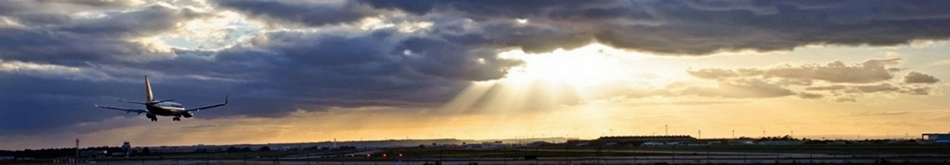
(300, 71)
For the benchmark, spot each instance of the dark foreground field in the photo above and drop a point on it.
(724, 154)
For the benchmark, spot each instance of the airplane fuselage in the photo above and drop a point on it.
(165, 108)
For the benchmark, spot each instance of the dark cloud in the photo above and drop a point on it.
(46, 13)
(914, 77)
(882, 87)
(704, 27)
(845, 82)
(442, 58)
(309, 13)
(849, 89)
(34, 105)
(144, 22)
(870, 71)
(807, 95)
(830, 88)
(483, 9)
(918, 90)
(76, 41)
(741, 89)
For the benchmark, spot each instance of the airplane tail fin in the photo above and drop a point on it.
(148, 90)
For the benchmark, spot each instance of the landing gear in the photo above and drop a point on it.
(176, 118)
(150, 116)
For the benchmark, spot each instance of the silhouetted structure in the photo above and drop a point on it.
(641, 139)
(941, 138)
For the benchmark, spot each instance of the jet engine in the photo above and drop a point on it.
(151, 116)
(187, 115)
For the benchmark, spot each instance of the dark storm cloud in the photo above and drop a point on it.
(33, 105)
(75, 41)
(704, 27)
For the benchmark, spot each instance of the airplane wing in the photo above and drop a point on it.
(208, 107)
(127, 110)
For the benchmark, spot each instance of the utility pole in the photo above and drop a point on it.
(666, 129)
(733, 134)
(700, 134)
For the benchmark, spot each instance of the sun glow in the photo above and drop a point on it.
(549, 80)
(566, 79)
(580, 70)
(585, 68)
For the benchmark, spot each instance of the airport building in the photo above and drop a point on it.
(645, 140)
(670, 138)
(941, 138)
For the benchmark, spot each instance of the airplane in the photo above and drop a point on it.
(162, 107)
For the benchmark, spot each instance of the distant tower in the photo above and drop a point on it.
(125, 147)
(77, 147)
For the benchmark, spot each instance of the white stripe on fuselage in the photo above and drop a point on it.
(171, 106)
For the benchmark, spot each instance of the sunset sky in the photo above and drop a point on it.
(305, 71)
